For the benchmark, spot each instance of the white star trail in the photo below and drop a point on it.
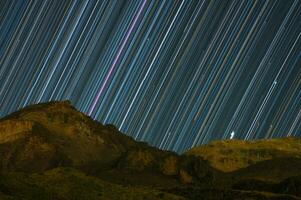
(175, 74)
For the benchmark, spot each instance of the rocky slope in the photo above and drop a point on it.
(231, 155)
(53, 151)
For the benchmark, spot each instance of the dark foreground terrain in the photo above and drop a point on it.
(52, 151)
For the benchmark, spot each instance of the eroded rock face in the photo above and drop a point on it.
(170, 166)
(11, 130)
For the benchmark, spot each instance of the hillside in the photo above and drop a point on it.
(55, 134)
(231, 155)
(67, 183)
(53, 151)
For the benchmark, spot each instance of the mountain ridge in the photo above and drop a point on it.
(55, 139)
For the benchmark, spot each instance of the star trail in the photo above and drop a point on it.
(173, 73)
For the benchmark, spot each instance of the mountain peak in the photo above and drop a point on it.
(69, 135)
(53, 106)
(55, 134)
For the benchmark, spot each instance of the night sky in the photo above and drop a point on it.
(174, 73)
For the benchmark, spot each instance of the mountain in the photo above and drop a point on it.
(54, 135)
(52, 151)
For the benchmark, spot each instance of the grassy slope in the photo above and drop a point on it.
(67, 183)
(71, 184)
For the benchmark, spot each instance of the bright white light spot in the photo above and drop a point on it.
(232, 135)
